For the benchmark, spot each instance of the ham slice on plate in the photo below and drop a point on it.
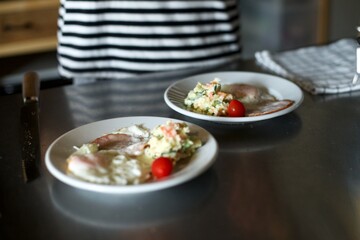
(267, 107)
(257, 100)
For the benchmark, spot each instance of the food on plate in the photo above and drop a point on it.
(172, 140)
(236, 109)
(161, 167)
(257, 100)
(208, 99)
(267, 107)
(219, 100)
(131, 155)
(248, 94)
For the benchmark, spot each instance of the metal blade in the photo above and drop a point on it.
(30, 137)
(30, 140)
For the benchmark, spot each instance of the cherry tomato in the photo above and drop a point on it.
(236, 109)
(162, 167)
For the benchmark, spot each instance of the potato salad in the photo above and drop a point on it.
(172, 140)
(208, 99)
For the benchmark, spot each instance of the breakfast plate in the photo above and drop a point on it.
(279, 87)
(61, 148)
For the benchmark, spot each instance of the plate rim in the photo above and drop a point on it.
(141, 188)
(232, 120)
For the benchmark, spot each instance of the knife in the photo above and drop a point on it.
(30, 139)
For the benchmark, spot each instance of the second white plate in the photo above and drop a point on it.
(279, 87)
(61, 148)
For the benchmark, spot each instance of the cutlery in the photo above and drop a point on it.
(30, 139)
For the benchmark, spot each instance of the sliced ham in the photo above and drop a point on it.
(113, 141)
(267, 107)
(257, 100)
(248, 93)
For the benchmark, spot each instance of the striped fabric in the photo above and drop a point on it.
(117, 39)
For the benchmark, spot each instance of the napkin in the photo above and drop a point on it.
(326, 69)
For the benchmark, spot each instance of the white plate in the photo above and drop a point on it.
(61, 148)
(279, 87)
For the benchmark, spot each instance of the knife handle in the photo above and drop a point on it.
(31, 86)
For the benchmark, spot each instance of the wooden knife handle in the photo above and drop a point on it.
(31, 86)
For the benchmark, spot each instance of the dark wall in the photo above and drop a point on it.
(279, 25)
(344, 17)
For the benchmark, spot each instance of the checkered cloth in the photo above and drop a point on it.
(325, 69)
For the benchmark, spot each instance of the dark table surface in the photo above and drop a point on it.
(292, 177)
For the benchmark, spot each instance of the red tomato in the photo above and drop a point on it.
(236, 109)
(162, 167)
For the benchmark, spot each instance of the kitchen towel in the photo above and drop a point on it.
(326, 69)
